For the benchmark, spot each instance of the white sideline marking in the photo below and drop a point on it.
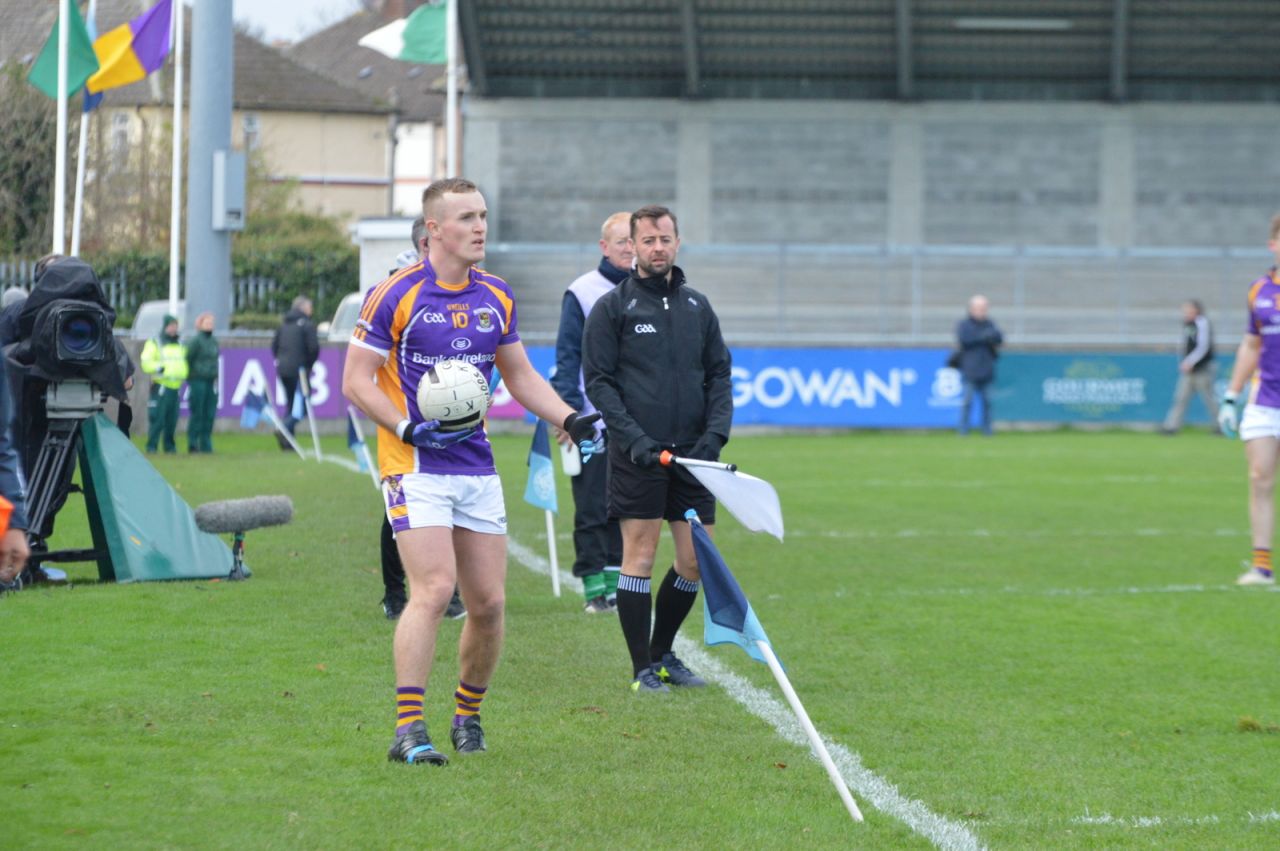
(342, 462)
(1158, 821)
(1032, 534)
(863, 782)
(1056, 592)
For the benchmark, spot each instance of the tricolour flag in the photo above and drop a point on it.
(417, 38)
(727, 616)
(133, 50)
(541, 489)
(81, 61)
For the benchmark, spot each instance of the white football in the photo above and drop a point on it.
(455, 393)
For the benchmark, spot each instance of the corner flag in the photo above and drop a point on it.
(251, 413)
(541, 488)
(727, 616)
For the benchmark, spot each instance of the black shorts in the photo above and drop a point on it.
(652, 493)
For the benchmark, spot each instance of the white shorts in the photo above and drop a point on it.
(1258, 421)
(416, 500)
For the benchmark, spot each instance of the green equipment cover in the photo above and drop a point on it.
(142, 530)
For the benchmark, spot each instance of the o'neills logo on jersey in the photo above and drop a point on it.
(484, 319)
(461, 343)
(646, 328)
(429, 318)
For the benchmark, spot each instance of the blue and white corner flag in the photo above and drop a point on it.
(251, 413)
(729, 620)
(541, 489)
(727, 616)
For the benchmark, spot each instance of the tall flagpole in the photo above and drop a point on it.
(77, 206)
(60, 156)
(175, 217)
(451, 96)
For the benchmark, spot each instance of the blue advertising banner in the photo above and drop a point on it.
(913, 388)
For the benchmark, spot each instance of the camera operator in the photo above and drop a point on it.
(13, 542)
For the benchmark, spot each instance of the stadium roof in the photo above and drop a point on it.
(1116, 50)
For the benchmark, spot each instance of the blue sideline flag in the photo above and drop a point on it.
(252, 410)
(727, 616)
(354, 443)
(541, 489)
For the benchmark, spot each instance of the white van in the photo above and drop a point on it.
(147, 321)
(338, 330)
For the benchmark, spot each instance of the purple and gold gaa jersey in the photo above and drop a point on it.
(414, 320)
(1264, 321)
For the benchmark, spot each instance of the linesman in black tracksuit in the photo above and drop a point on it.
(657, 368)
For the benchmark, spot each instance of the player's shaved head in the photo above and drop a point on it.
(434, 194)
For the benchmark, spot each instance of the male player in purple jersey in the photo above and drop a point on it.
(1259, 428)
(442, 492)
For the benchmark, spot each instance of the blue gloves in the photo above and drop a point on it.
(1229, 415)
(582, 431)
(428, 435)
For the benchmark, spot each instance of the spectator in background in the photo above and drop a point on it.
(202, 378)
(979, 340)
(1259, 428)
(1196, 368)
(11, 302)
(164, 358)
(295, 346)
(597, 540)
(418, 238)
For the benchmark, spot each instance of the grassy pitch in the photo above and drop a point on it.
(1032, 638)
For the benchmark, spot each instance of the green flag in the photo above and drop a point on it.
(81, 60)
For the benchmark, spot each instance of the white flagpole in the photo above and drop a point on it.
(451, 92)
(77, 207)
(175, 216)
(814, 739)
(305, 386)
(555, 562)
(60, 155)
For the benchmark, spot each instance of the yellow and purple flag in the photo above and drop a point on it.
(133, 50)
(81, 62)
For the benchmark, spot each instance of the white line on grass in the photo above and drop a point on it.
(865, 783)
(1056, 592)
(874, 534)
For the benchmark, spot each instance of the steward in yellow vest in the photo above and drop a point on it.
(164, 358)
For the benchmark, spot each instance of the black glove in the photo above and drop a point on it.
(581, 427)
(707, 448)
(645, 452)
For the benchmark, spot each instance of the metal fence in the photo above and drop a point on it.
(914, 295)
(792, 294)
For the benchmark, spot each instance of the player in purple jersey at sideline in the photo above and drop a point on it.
(442, 492)
(1259, 428)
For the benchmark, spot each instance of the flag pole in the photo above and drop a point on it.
(60, 153)
(311, 415)
(451, 91)
(175, 193)
(77, 208)
(551, 546)
(814, 739)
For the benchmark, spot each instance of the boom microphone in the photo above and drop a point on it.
(241, 515)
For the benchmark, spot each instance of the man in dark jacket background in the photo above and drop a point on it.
(657, 368)
(202, 381)
(295, 346)
(979, 341)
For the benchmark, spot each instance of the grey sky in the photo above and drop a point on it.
(291, 19)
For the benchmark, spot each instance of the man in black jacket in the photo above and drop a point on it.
(979, 340)
(295, 346)
(657, 368)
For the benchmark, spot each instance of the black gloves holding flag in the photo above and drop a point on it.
(707, 448)
(581, 429)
